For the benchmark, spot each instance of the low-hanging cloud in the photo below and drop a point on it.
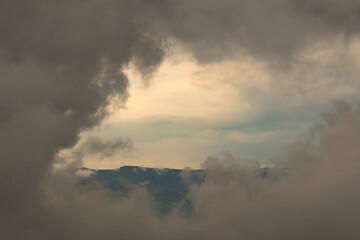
(95, 145)
(309, 193)
(315, 199)
(60, 67)
(94, 149)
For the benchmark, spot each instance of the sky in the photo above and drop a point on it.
(189, 111)
(229, 86)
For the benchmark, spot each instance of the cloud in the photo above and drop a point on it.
(60, 67)
(94, 145)
(93, 152)
(275, 31)
(310, 193)
(317, 200)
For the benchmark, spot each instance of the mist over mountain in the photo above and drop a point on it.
(169, 188)
(252, 71)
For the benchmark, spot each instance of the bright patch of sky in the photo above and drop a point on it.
(189, 111)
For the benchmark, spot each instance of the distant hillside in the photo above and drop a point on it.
(168, 186)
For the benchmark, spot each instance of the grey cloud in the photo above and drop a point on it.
(318, 199)
(277, 33)
(272, 31)
(96, 146)
(60, 66)
(341, 107)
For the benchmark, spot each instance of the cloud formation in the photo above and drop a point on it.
(311, 193)
(60, 67)
(316, 199)
(94, 145)
(275, 31)
(95, 150)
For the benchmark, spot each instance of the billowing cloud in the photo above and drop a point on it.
(275, 31)
(311, 193)
(60, 66)
(314, 199)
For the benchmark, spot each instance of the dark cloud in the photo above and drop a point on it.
(273, 31)
(60, 66)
